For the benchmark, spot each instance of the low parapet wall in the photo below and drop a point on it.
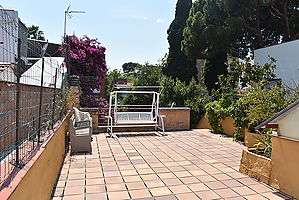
(37, 178)
(177, 118)
(285, 165)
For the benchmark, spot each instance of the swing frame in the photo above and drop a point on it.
(122, 119)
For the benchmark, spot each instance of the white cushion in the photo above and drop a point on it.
(77, 114)
(84, 116)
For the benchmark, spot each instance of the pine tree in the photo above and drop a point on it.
(178, 65)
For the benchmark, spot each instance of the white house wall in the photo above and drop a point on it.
(288, 125)
(8, 35)
(8, 75)
(287, 56)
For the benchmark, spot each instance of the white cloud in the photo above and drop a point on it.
(160, 20)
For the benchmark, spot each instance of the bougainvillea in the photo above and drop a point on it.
(87, 60)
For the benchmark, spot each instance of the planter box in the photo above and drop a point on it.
(177, 118)
(256, 166)
(249, 139)
(203, 124)
(227, 125)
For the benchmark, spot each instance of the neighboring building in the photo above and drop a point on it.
(287, 65)
(11, 29)
(36, 49)
(7, 72)
(200, 64)
(286, 121)
(33, 75)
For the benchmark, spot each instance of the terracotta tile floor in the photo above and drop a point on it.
(183, 165)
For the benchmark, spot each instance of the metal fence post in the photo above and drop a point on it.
(18, 74)
(54, 99)
(67, 58)
(40, 100)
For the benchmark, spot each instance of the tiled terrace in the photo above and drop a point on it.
(183, 165)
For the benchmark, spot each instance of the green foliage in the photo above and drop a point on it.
(245, 72)
(238, 27)
(192, 95)
(239, 134)
(144, 75)
(178, 66)
(174, 92)
(215, 113)
(147, 75)
(214, 67)
(109, 82)
(130, 67)
(227, 95)
(35, 33)
(261, 103)
(264, 145)
(217, 110)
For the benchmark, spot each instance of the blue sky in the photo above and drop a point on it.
(131, 30)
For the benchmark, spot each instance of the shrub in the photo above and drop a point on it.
(110, 78)
(87, 60)
(260, 103)
(217, 110)
(227, 103)
(179, 93)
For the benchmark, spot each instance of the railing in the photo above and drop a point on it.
(32, 97)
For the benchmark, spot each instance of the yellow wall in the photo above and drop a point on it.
(203, 123)
(227, 125)
(249, 139)
(285, 165)
(176, 118)
(39, 180)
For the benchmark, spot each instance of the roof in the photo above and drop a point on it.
(279, 115)
(7, 72)
(36, 46)
(33, 75)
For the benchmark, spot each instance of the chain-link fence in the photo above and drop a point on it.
(32, 94)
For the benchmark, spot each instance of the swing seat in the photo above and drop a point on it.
(134, 118)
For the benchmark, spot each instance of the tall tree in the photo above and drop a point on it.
(178, 65)
(130, 67)
(204, 38)
(237, 27)
(35, 33)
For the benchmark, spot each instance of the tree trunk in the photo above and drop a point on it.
(259, 38)
(285, 20)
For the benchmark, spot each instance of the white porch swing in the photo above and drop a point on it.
(119, 117)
